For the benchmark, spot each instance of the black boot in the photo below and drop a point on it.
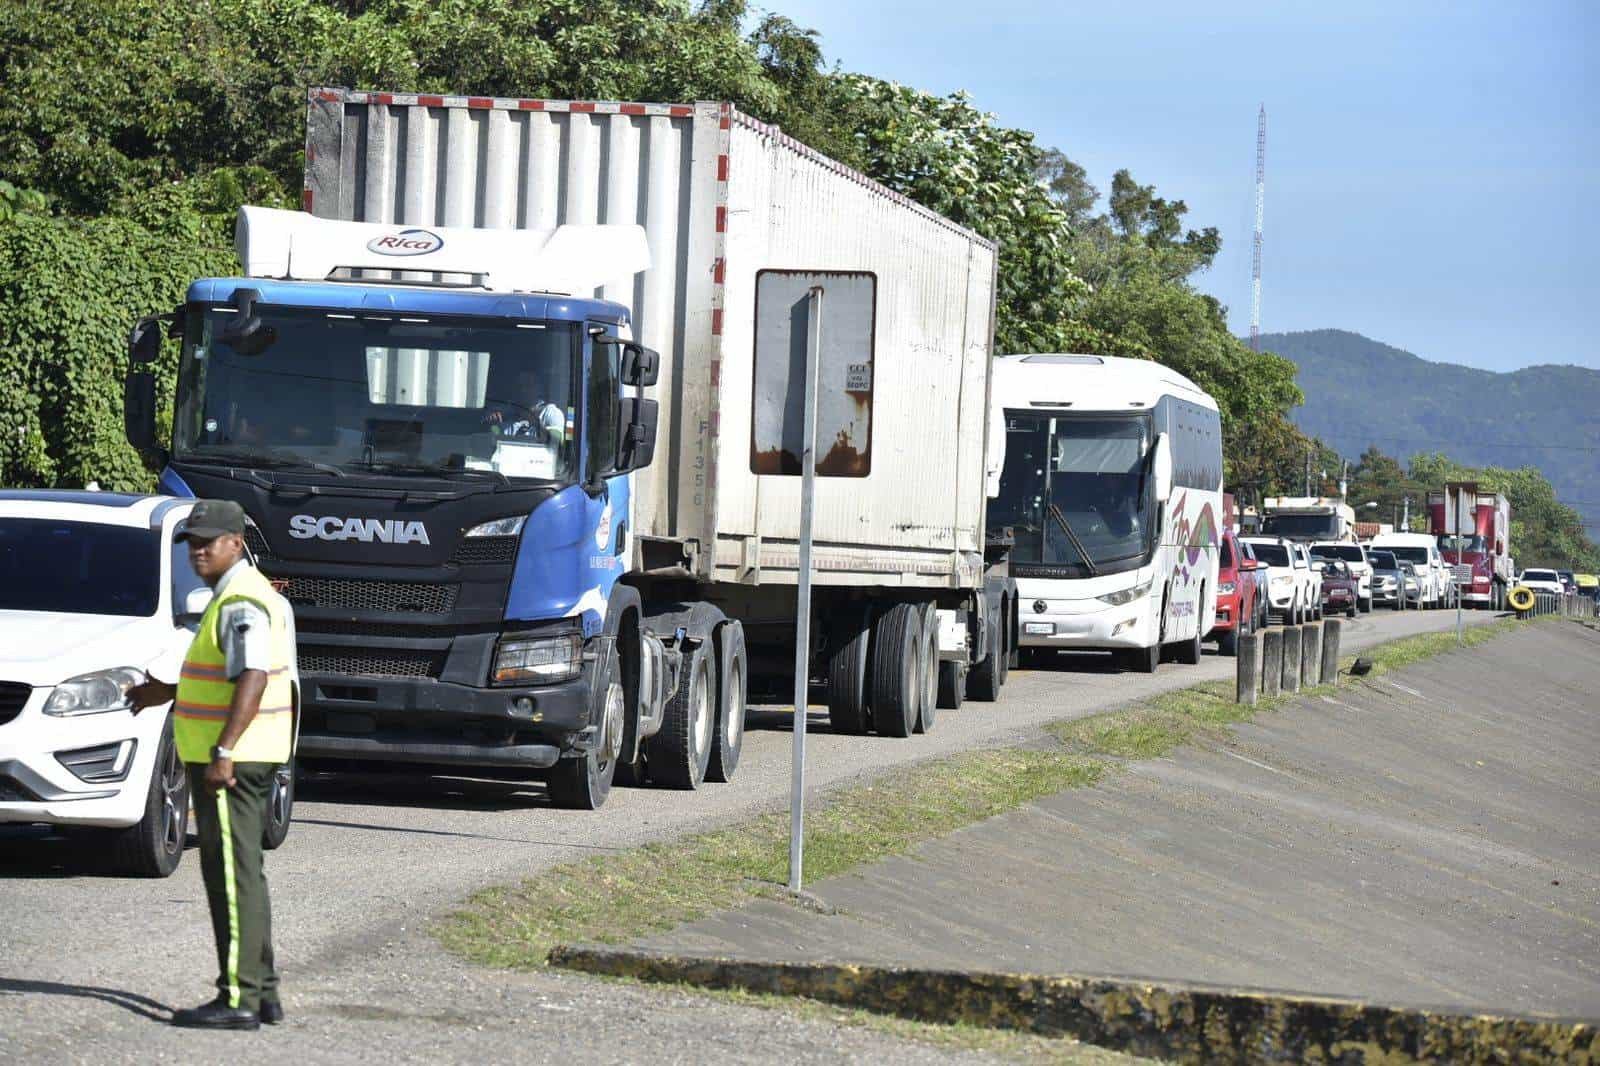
(271, 1012)
(216, 1015)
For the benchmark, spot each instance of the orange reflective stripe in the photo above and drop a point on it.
(197, 672)
(203, 710)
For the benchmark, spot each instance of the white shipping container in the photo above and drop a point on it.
(722, 197)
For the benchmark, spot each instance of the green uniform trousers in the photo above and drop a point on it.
(230, 823)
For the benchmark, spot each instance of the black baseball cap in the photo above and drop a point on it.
(211, 519)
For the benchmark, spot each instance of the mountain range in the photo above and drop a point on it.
(1360, 392)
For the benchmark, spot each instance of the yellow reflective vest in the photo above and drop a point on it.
(205, 694)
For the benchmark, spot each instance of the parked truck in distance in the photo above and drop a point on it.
(429, 394)
(1477, 544)
(1308, 519)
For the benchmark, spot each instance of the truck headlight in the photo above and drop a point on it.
(94, 693)
(500, 527)
(541, 660)
(1117, 599)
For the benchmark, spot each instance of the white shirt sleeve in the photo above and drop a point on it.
(243, 631)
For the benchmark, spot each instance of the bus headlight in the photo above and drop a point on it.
(1117, 599)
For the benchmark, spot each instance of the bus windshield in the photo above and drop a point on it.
(378, 391)
(1076, 490)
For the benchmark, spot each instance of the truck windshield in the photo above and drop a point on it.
(79, 567)
(383, 392)
(1301, 526)
(1076, 491)
(1451, 543)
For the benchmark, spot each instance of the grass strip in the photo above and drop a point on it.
(622, 896)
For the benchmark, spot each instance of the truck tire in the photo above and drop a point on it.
(680, 753)
(582, 783)
(952, 685)
(732, 687)
(280, 808)
(897, 670)
(847, 679)
(928, 701)
(983, 680)
(154, 846)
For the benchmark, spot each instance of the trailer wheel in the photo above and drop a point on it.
(952, 685)
(582, 783)
(928, 702)
(847, 679)
(983, 680)
(897, 670)
(680, 753)
(731, 691)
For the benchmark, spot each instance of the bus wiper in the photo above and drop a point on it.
(1072, 538)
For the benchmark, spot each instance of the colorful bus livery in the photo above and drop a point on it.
(1111, 486)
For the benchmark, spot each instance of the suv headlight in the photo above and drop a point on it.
(1283, 579)
(541, 660)
(94, 693)
(500, 527)
(1117, 599)
(1227, 588)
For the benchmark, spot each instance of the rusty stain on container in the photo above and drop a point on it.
(844, 459)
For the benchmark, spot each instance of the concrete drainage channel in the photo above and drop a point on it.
(1165, 1020)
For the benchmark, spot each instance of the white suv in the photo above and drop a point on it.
(1286, 588)
(94, 594)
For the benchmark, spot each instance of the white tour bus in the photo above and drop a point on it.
(1112, 489)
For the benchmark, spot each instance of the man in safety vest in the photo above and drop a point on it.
(233, 721)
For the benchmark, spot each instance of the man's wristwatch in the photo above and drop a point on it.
(220, 752)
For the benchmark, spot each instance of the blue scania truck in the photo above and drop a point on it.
(487, 403)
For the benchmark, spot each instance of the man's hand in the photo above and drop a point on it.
(151, 693)
(219, 774)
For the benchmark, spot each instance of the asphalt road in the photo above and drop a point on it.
(90, 963)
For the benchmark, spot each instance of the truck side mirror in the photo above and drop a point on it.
(636, 433)
(1161, 467)
(640, 365)
(144, 341)
(139, 415)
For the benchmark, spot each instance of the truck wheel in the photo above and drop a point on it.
(154, 847)
(928, 701)
(680, 753)
(896, 670)
(983, 680)
(847, 680)
(280, 807)
(584, 782)
(731, 693)
(952, 685)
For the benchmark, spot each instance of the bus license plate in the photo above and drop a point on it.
(1039, 629)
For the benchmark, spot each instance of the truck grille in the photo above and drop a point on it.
(12, 698)
(486, 550)
(370, 662)
(351, 595)
(256, 543)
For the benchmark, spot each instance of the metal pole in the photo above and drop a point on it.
(802, 634)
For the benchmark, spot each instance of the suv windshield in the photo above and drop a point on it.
(1410, 555)
(1076, 490)
(79, 567)
(1539, 575)
(353, 392)
(1383, 561)
(1271, 554)
(1301, 525)
(1350, 553)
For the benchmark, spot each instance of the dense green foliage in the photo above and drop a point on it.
(1362, 394)
(132, 129)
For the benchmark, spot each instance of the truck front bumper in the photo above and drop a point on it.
(421, 720)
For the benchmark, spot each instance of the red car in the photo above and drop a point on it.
(1240, 606)
(1340, 588)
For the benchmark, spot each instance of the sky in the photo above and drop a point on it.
(1433, 169)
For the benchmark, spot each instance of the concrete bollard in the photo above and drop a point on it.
(1332, 630)
(1311, 655)
(1291, 658)
(1271, 661)
(1248, 663)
